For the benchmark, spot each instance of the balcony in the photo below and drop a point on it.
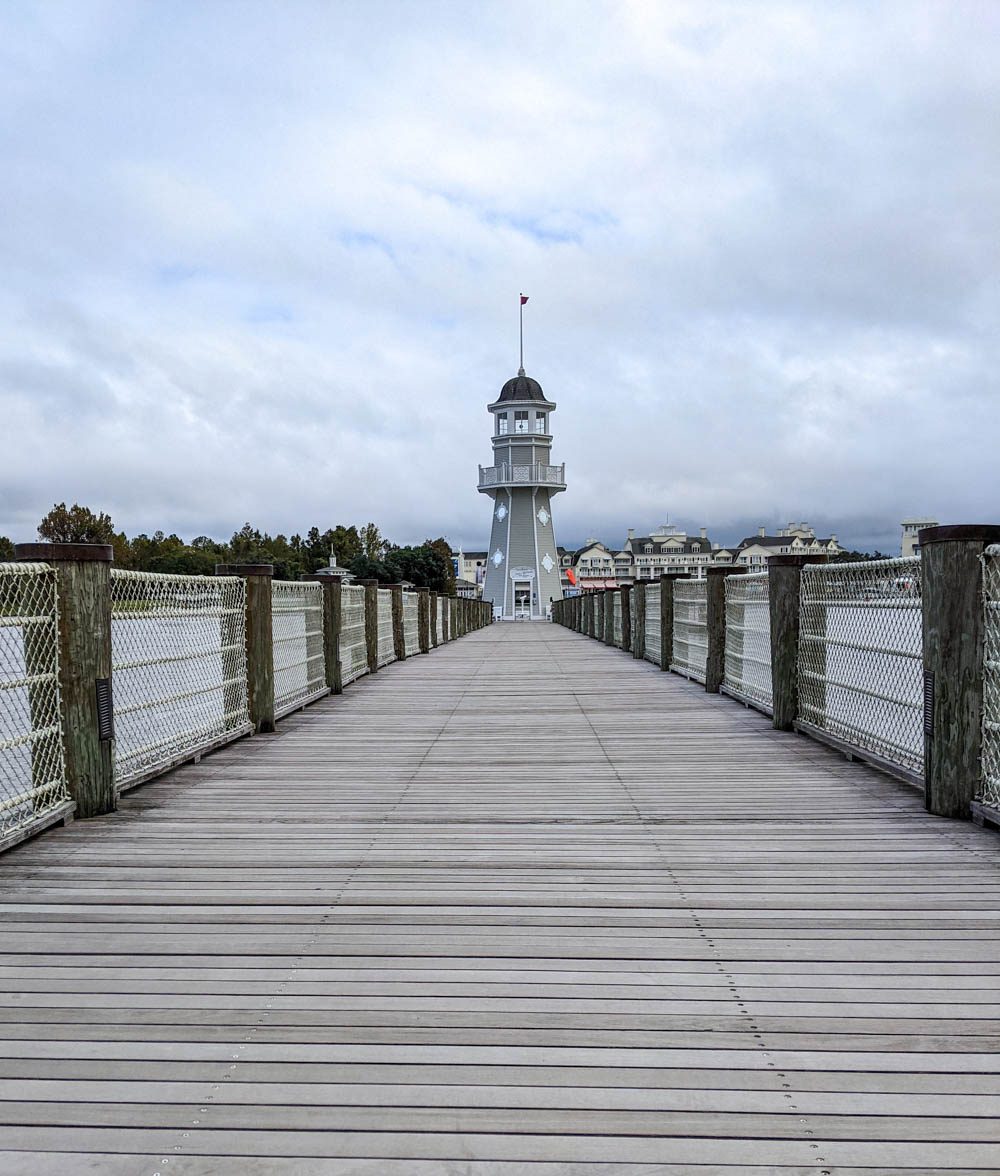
(552, 477)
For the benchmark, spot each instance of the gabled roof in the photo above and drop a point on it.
(671, 542)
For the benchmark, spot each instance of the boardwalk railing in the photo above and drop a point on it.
(690, 651)
(896, 662)
(748, 639)
(33, 791)
(297, 638)
(156, 669)
(861, 657)
(651, 623)
(989, 793)
(178, 667)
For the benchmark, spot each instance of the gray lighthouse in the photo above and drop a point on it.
(522, 567)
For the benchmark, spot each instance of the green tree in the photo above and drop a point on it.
(6, 548)
(373, 544)
(443, 549)
(78, 524)
(858, 556)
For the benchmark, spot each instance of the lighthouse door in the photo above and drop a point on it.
(522, 602)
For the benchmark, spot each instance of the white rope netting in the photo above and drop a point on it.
(690, 652)
(353, 650)
(990, 787)
(748, 637)
(652, 630)
(297, 635)
(861, 656)
(386, 646)
(32, 771)
(411, 623)
(178, 660)
(436, 605)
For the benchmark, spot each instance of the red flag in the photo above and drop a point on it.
(571, 577)
(524, 299)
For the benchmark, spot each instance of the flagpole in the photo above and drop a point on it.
(520, 370)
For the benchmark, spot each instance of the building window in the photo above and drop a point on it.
(520, 422)
(502, 423)
(540, 422)
(696, 547)
(648, 548)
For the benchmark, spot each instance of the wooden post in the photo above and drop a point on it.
(715, 665)
(609, 615)
(953, 631)
(371, 622)
(667, 616)
(83, 587)
(588, 614)
(260, 641)
(453, 618)
(639, 622)
(626, 595)
(332, 614)
(398, 636)
(432, 606)
(784, 584)
(424, 619)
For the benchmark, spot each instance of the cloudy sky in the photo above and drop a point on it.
(260, 261)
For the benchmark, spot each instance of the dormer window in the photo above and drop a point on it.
(648, 549)
(696, 547)
(520, 422)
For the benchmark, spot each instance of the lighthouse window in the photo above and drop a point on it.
(520, 422)
(540, 422)
(502, 423)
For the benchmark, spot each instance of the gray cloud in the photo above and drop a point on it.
(263, 262)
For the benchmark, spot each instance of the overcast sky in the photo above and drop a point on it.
(260, 261)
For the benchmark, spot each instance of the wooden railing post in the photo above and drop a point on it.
(453, 618)
(398, 633)
(371, 622)
(715, 665)
(667, 616)
(260, 641)
(953, 632)
(83, 588)
(424, 619)
(332, 614)
(609, 615)
(626, 595)
(588, 614)
(784, 593)
(433, 606)
(639, 622)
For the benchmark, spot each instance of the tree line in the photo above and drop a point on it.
(362, 550)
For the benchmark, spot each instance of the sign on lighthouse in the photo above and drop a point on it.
(522, 571)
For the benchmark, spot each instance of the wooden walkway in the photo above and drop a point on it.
(521, 906)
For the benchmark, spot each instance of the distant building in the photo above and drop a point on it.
(795, 539)
(911, 530)
(470, 566)
(668, 550)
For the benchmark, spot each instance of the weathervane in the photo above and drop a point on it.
(524, 299)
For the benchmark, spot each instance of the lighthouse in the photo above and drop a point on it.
(522, 566)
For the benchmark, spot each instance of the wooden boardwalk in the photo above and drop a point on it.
(521, 906)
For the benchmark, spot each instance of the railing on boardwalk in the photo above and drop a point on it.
(860, 664)
(990, 788)
(690, 645)
(411, 623)
(616, 620)
(178, 664)
(33, 790)
(748, 639)
(297, 636)
(386, 643)
(651, 648)
(353, 650)
(437, 606)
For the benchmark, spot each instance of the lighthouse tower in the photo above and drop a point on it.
(522, 567)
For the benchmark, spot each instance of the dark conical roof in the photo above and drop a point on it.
(521, 387)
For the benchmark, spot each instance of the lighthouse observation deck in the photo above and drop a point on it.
(553, 477)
